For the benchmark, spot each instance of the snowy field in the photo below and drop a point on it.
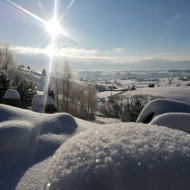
(179, 93)
(172, 91)
(58, 151)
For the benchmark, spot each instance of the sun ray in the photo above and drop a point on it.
(61, 31)
(54, 23)
(27, 12)
(70, 5)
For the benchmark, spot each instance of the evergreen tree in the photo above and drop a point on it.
(44, 73)
(4, 85)
(49, 92)
(27, 91)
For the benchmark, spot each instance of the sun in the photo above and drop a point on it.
(53, 27)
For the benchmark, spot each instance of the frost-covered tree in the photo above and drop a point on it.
(91, 101)
(49, 92)
(22, 82)
(67, 76)
(62, 84)
(6, 57)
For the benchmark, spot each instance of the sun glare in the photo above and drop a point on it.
(53, 27)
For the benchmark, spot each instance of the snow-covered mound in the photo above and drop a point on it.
(26, 138)
(43, 123)
(161, 106)
(122, 156)
(178, 121)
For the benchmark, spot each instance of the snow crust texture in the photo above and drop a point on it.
(122, 156)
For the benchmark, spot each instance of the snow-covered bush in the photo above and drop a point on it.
(22, 82)
(43, 104)
(179, 121)
(162, 106)
(12, 98)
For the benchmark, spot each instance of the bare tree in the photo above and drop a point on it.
(67, 75)
(7, 57)
(61, 78)
(71, 97)
(55, 81)
(91, 100)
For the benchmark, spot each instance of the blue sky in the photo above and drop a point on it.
(101, 34)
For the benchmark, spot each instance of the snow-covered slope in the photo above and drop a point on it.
(177, 93)
(56, 151)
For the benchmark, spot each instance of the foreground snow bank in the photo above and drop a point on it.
(122, 156)
(89, 156)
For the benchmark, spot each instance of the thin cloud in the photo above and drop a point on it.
(92, 55)
(178, 16)
(58, 51)
(118, 50)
